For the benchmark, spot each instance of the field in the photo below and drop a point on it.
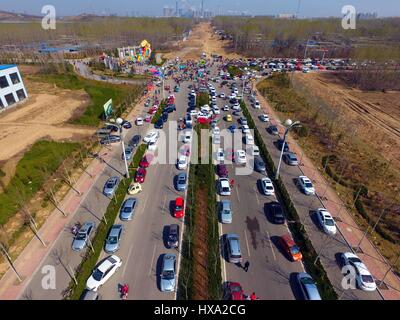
(351, 136)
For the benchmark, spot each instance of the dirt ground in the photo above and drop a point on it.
(202, 39)
(44, 114)
(374, 115)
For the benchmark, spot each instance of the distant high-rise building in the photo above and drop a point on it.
(367, 15)
(286, 16)
(168, 12)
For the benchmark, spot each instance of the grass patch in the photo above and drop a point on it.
(300, 236)
(99, 92)
(35, 167)
(90, 259)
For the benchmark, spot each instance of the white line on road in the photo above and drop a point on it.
(152, 260)
(270, 243)
(247, 242)
(237, 193)
(256, 193)
(163, 206)
(144, 203)
(126, 262)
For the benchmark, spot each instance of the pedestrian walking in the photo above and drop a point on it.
(246, 266)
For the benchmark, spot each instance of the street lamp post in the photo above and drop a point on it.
(289, 125)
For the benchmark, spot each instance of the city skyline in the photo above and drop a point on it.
(305, 8)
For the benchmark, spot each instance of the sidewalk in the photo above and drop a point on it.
(34, 253)
(352, 233)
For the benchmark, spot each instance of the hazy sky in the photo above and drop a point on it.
(308, 8)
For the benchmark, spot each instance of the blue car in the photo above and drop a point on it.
(232, 128)
(110, 186)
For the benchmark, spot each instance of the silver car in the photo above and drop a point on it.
(181, 181)
(233, 248)
(168, 273)
(113, 239)
(290, 159)
(110, 186)
(82, 237)
(308, 287)
(128, 209)
(225, 211)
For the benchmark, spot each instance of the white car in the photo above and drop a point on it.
(326, 221)
(257, 105)
(103, 272)
(236, 107)
(216, 131)
(235, 91)
(182, 162)
(193, 113)
(254, 150)
(249, 139)
(151, 136)
(364, 279)
(264, 118)
(216, 139)
(267, 187)
(139, 121)
(225, 108)
(216, 110)
(224, 188)
(152, 146)
(240, 157)
(187, 136)
(222, 95)
(306, 185)
(232, 96)
(220, 154)
(245, 129)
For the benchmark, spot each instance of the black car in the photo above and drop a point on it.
(173, 236)
(110, 139)
(164, 116)
(126, 124)
(259, 164)
(279, 145)
(159, 124)
(273, 130)
(112, 127)
(135, 140)
(170, 108)
(275, 212)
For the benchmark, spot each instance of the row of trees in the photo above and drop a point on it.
(287, 37)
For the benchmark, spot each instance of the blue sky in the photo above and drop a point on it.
(308, 8)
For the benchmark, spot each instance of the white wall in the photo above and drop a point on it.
(12, 88)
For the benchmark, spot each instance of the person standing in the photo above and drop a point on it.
(246, 266)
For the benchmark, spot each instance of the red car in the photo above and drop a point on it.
(235, 291)
(179, 208)
(140, 175)
(146, 160)
(153, 110)
(222, 171)
(147, 118)
(203, 120)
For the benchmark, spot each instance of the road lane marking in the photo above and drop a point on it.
(270, 243)
(152, 260)
(126, 262)
(163, 206)
(256, 193)
(247, 242)
(145, 202)
(237, 192)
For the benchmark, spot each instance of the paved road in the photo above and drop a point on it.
(270, 270)
(328, 246)
(143, 245)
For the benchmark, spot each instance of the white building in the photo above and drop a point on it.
(12, 89)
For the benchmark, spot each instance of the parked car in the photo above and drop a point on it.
(181, 181)
(364, 279)
(110, 186)
(224, 188)
(248, 139)
(290, 158)
(326, 221)
(232, 128)
(279, 145)
(173, 236)
(146, 160)
(179, 208)
(82, 237)
(220, 154)
(151, 136)
(245, 129)
(159, 124)
(308, 287)
(128, 209)
(126, 124)
(103, 272)
(225, 211)
(168, 273)
(228, 118)
(222, 171)
(140, 175)
(113, 238)
(134, 188)
(306, 185)
(254, 150)
(135, 140)
(290, 248)
(110, 139)
(274, 210)
(128, 153)
(267, 187)
(182, 162)
(240, 157)
(273, 129)
(233, 248)
(263, 117)
(152, 146)
(259, 164)
(234, 291)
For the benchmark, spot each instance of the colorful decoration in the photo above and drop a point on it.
(144, 51)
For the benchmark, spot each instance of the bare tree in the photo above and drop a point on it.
(4, 250)
(61, 257)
